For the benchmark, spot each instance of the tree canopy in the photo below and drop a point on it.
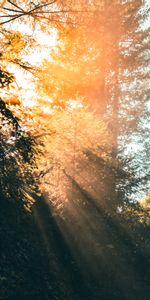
(74, 137)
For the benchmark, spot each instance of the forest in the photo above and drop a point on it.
(74, 150)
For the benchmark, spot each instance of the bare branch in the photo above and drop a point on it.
(62, 11)
(30, 12)
(36, 12)
(57, 20)
(41, 6)
(8, 16)
(16, 17)
(20, 9)
(13, 10)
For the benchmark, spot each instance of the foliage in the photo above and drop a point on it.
(90, 64)
(64, 139)
(72, 154)
(5, 78)
(17, 152)
(68, 73)
(106, 67)
(135, 220)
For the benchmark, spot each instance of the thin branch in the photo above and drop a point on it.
(8, 16)
(10, 9)
(37, 8)
(41, 6)
(58, 20)
(43, 173)
(44, 134)
(25, 66)
(62, 11)
(20, 9)
(11, 19)
(37, 12)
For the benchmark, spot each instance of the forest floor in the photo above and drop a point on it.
(37, 262)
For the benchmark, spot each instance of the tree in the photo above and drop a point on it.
(96, 67)
(93, 65)
(76, 160)
(17, 145)
(17, 152)
(55, 12)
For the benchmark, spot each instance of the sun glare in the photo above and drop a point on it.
(44, 42)
(47, 40)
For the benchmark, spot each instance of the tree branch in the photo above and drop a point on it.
(43, 5)
(13, 10)
(16, 17)
(20, 9)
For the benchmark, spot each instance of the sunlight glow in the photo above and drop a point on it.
(41, 48)
(47, 42)
(73, 104)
